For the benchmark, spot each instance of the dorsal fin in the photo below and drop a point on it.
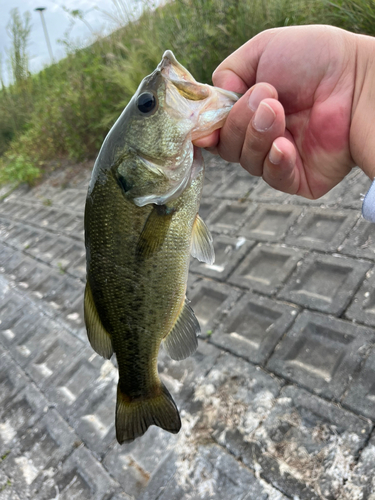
(99, 338)
(202, 243)
(181, 342)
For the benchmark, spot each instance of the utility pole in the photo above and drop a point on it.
(40, 10)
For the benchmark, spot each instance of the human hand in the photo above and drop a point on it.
(303, 128)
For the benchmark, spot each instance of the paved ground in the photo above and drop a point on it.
(279, 400)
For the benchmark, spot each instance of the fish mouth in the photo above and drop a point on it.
(182, 79)
(209, 106)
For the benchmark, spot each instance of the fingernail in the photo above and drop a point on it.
(275, 155)
(257, 95)
(264, 117)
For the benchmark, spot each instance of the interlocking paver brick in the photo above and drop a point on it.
(7, 490)
(14, 210)
(22, 237)
(65, 294)
(71, 387)
(266, 268)
(44, 282)
(207, 206)
(325, 283)
(44, 248)
(31, 334)
(234, 394)
(254, 327)
(361, 395)
(229, 217)
(94, 414)
(119, 496)
(5, 253)
(321, 229)
(19, 412)
(361, 479)
(229, 251)
(270, 222)
(237, 186)
(133, 464)
(21, 268)
(12, 379)
(263, 192)
(71, 255)
(362, 308)
(78, 268)
(6, 227)
(10, 312)
(81, 477)
(28, 320)
(322, 353)
(55, 350)
(39, 451)
(13, 261)
(207, 473)
(292, 441)
(40, 216)
(181, 377)
(211, 301)
(306, 445)
(361, 241)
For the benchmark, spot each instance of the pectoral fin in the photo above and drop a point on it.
(154, 231)
(181, 342)
(99, 338)
(202, 243)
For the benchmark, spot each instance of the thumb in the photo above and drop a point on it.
(238, 71)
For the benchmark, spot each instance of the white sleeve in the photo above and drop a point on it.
(368, 207)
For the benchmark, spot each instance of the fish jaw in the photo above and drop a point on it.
(206, 106)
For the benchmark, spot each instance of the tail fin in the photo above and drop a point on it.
(133, 418)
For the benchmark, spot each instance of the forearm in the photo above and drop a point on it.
(362, 129)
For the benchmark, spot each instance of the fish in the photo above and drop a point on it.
(141, 226)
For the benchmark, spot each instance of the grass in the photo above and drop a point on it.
(66, 110)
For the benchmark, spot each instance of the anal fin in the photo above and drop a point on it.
(202, 243)
(99, 338)
(181, 342)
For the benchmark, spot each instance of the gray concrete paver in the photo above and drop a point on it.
(322, 353)
(325, 282)
(321, 229)
(229, 216)
(266, 268)
(246, 433)
(270, 222)
(254, 327)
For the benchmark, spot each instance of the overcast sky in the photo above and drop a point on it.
(57, 21)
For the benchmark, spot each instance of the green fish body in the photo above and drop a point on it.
(141, 226)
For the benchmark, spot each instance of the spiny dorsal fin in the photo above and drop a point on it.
(99, 338)
(133, 418)
(181, 342)
(154, 231)
(202, 244)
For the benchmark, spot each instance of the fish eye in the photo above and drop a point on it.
(146, 102)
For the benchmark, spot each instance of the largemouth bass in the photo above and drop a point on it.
(141, 226)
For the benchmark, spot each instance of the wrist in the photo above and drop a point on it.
(362, 129)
